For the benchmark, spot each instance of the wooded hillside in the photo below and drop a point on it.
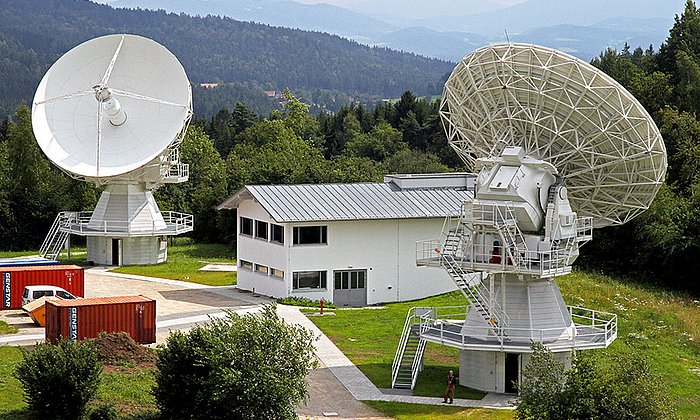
(34, 33)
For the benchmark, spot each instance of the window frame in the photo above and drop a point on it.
(259, 223)
(344, 278)
(252, 226)
(246, 265)
(323, 235)
(322, 280)
(258, 268)
(273, 238)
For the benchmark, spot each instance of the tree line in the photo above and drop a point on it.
(663, 244)
(237, 146)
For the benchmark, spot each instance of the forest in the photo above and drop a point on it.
(237, 146)
(212, 50)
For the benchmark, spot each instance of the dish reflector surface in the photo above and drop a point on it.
(564, 111)
(73, 128)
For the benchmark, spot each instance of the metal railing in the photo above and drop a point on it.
(56, 238)
(175, 223)
(592, 329)
(414, 316)
(478, 256)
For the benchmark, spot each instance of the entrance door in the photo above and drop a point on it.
(350, 288)
(511, 373)
(116, 251)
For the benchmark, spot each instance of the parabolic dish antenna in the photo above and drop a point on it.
(110, 106)
(564, 111)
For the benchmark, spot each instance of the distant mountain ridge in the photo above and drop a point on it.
(449, 29)
(316, 17)
(212, 49)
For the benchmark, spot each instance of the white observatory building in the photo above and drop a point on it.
(113, 111)
(560, 148)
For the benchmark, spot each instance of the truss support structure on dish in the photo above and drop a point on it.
(560, 148)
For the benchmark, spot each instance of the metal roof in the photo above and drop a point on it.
(362, 201)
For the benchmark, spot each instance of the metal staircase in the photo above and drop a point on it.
(408, 361)
(480, 297)
(56, 238)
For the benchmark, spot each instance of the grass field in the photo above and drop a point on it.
(369, 338)
(184, 259)
(6, 328)
(659, 325)
(126, 388)
(402, 411)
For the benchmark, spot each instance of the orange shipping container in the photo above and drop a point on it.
(86, 318)
(15, 279)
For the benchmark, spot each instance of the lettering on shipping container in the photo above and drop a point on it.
(6, 294)
(73, 324)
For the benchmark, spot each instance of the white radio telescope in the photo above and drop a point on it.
(559, 148)
(113, 111)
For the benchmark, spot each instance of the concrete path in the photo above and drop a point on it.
(360, 386)
(336, 387)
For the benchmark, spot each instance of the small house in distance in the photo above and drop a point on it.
(352, 244)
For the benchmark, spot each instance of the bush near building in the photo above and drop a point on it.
(628, 389)
(239, 367)
(59, 381)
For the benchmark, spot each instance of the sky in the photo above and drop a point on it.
(346, 2)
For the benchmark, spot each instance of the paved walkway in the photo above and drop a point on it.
(362, 388)
(202, 302)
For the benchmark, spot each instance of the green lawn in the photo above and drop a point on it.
(184, 259)
(127, 388)
(6, 328)
(11, 394)
(403, 411)
(657, 324)
(369, 338)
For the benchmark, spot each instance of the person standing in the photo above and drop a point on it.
(450, 393)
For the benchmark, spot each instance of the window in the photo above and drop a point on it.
(309, 280)
(64, 295)
(246, 226)
(353, 279)
(245, 264)
(261, 269)
(277, 233)
(310, 235)
(260, 229)
(277, 272)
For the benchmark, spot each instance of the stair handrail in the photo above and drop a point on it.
(54, 240)
(498, 319)
(426, 321)
(49, 237)
(402, 342)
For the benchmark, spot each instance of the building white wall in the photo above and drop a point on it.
(385, 248)
(262, 252)
(134, 251)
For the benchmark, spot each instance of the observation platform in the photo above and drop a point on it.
(443, 325)
(78, 223)
(538, 263)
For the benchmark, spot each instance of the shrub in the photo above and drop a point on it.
(239, 367)
(103, 412)
(302, 301)
(627, 390)
(59, 381)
